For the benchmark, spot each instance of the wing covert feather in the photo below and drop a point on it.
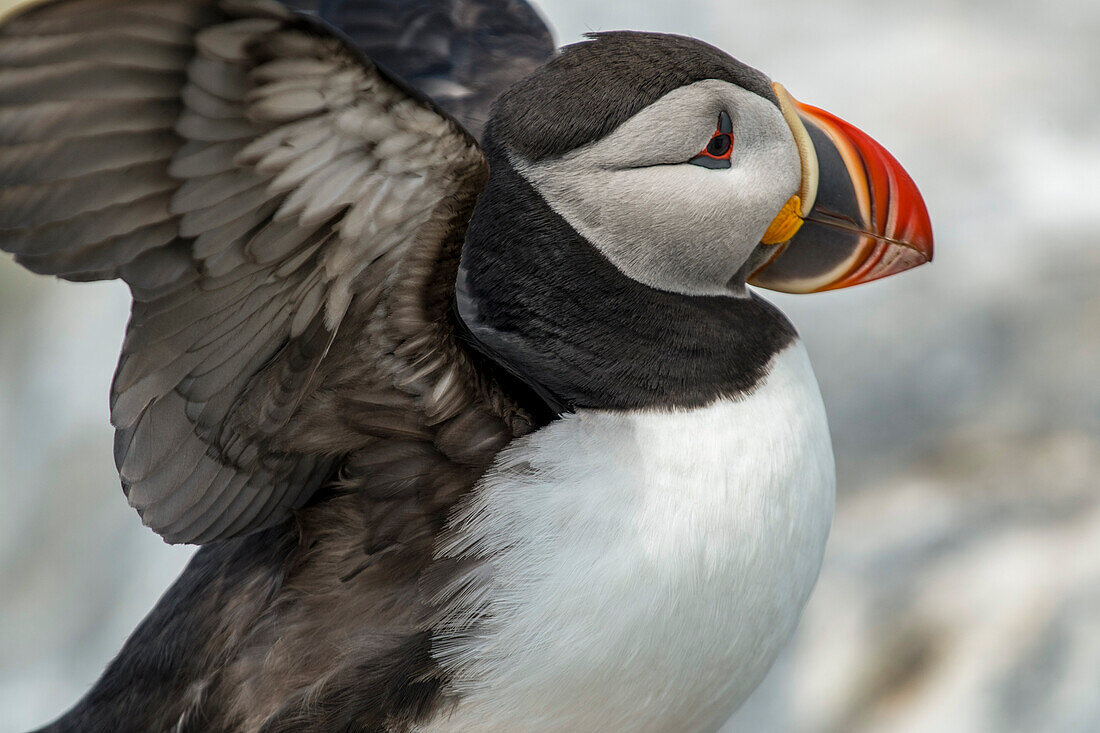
(461, 53)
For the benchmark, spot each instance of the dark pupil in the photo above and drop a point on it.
(719, 145)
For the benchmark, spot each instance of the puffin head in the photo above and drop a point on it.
(687, 173)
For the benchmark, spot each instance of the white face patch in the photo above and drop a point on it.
(662, 221)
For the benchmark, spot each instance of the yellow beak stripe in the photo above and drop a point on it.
(807, 190)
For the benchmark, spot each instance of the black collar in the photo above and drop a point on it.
(541, 302)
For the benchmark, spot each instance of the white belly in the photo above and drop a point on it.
(643, 569)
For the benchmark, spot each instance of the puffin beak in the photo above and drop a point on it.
(857, 217)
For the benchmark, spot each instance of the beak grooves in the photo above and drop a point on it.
(892, 210)
(862, 217)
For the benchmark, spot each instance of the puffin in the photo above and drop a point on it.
(443, 350)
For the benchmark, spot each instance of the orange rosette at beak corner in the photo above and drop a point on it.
(867, 219)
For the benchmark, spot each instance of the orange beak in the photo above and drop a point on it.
(858, 215)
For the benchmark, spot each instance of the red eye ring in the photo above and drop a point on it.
(719, 149)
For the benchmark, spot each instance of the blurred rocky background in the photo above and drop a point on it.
(961, 590)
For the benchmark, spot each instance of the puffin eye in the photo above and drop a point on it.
(719, 146)
(718, 151)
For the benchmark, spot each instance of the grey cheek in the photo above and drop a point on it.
(690, 256)
(648, 238)
(586, 211)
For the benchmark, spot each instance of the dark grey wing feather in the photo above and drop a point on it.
(255, 183)
(461, 53)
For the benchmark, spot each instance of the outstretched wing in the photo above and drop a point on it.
(258, 185)
(461, 53)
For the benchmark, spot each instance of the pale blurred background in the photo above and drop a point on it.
(961, 590)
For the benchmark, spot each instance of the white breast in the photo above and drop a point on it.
(642, 569)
